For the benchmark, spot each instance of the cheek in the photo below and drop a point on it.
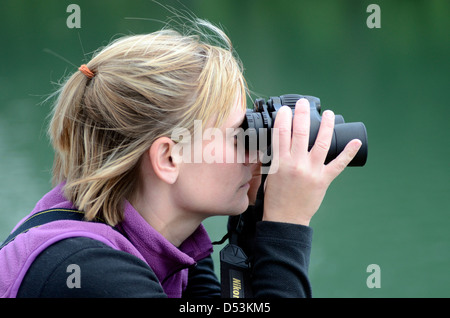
(213, 179)
(211, 189)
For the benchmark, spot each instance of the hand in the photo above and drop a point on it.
(295, 191)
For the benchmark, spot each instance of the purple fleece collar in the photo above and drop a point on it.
(162, 256)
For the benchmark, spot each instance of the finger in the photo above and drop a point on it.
(322, 144)
(335, 167)
(300, 129)
(282, 127)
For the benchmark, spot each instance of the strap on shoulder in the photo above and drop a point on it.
(43, 217)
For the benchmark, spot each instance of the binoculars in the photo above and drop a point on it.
(259, 121)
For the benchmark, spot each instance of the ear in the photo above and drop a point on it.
(160, 154)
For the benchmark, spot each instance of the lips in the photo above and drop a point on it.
(245, 185)
(246, 182)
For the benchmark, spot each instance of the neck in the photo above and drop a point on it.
(158, 210)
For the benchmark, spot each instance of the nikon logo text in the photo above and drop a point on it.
(237, 288)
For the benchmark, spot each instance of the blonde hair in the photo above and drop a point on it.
(144, 86)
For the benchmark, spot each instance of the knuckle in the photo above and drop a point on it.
(321, 144)
(341, 165)
(317, 181)
(283, 130)
(308, 175)
(302, 111)
(300, 132)
(294, 171)
(298, 170)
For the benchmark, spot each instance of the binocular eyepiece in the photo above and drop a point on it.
(260, 120)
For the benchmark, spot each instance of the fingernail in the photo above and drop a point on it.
(357, 145)
(304, 100)
(328, 114)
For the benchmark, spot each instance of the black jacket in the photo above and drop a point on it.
(279, 268)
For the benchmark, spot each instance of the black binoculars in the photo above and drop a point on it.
(259, 122)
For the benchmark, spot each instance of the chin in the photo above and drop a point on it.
(241, 208)
(232, 208)
(237, 212)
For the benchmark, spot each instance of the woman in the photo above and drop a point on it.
(143, 203)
